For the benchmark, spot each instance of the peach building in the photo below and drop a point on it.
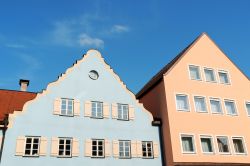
(203, 100)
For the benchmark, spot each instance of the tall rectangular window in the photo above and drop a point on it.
(194, 72)
(187, 142)
(209, 74)
(67, 107)
(239, 147)
(248, 108)
(230, 107)
(200, 104)
(65, 146)
(32, 146)
(124, 149)
(182, 102)
(223, 145)
(97, 109)
(123, 111)
(97, 148)
(224, 79)
(207, 144)
(215, 105)
(147, 149)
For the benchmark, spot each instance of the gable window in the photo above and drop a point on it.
(147, 149)
(187, 142)
(97, 109)
(223, 145)
(215, 105)
(123, 112)
(209, 74)
(182, 102)
(97, 148)
(239, 147)
(200, 104)
(194, 72)
(230, 107)
(67, 107)
(248, 108)
(65, 146)
(224, 79)
(206, 144)
(32, 146)
(124, 149)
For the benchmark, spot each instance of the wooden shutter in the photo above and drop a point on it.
(115, 148)
(75, 147)
(139, 148)
(88, 148)
(43, 146)
(57, 106)
(20, 144)
(87, 108)
(156, 149)
(114, 111)
(54, 146)
(105, 110)
(133, 149)
(76, 107)
(131, 113)
(107, 148)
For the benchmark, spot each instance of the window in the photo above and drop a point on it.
(194, 72)
(67, 107)
(224, 77)
(238, 145)
(223, 145)
(248, 108)
(187, 142)
(32, 146)
(215, 105)
(230, 107)
(123, 111)
(97, 109)
(147, 149)
(200, 104)
(209, 74)
(124, 149)
(182, 102)
(97, 148)
(65, 146)
(206, 144)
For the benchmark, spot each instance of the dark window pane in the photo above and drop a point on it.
(28, 140)
(27, 152)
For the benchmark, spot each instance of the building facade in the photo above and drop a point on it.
(86, 117)
(203, 101)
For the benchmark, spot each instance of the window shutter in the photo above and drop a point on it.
(75, 147)
(105, 110)
(54, 146)
(88, 148)
(114, 111)
(131, 113)
(139, 148)
(87, 108)
(156, 149)
(76, 107)
(57, 106)
(115, 148)
(133, 149)
(107, 148)
(43, 146)
(20, 144)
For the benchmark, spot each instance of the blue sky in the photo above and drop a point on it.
(39, 39)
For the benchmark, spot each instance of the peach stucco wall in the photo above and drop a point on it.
(206, 54)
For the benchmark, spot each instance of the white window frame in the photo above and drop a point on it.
(205, 100)
(64, 148)
(97, 148)
(243, 144)
(67, 104)
(199, 71)
(216, 99)
(193, 141)
(229, 145)
(210, 69)
(228, 77)
(32, 144)
(188, 102)
(123, 148)
(96, 110)
(122, 111)
(212, 143)
(147, 151)
(247, 103)
(235, 107)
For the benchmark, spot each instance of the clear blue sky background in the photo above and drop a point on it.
(39, 39)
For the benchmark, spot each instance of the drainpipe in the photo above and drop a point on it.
(157, 122)
(5, 123)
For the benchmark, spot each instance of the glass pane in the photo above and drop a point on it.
(215, 106)
(223, 78)
(209, 74)
(223, 144)
(182, 103)
(238, 146)
(28, 140)
(194, 72)
(248, 108)
(206, 145)
(230, 107)
(187, 144)
(28, 146)
(27, 152)
(200, 104)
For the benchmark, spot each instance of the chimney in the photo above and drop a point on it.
(24, 84)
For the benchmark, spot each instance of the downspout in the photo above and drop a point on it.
(157, 122)
(4, 129)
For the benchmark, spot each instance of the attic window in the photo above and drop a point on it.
(93, 75)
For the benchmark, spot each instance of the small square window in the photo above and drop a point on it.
(223, 144)
(123, 112)
(209, 74)
(230, 107)
(124, 149)
(207, 144)
(187, 142)
(215, 106)
(98, 148)
(239, 147)
(32, 146)
(64, 147)
(147, 149)
(224, 79)
(200, 104)
(182, 102)
(97, 109)
(248, 108)
(194, 72)
(67, 107)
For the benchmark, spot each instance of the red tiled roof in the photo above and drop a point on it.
(11, 101)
